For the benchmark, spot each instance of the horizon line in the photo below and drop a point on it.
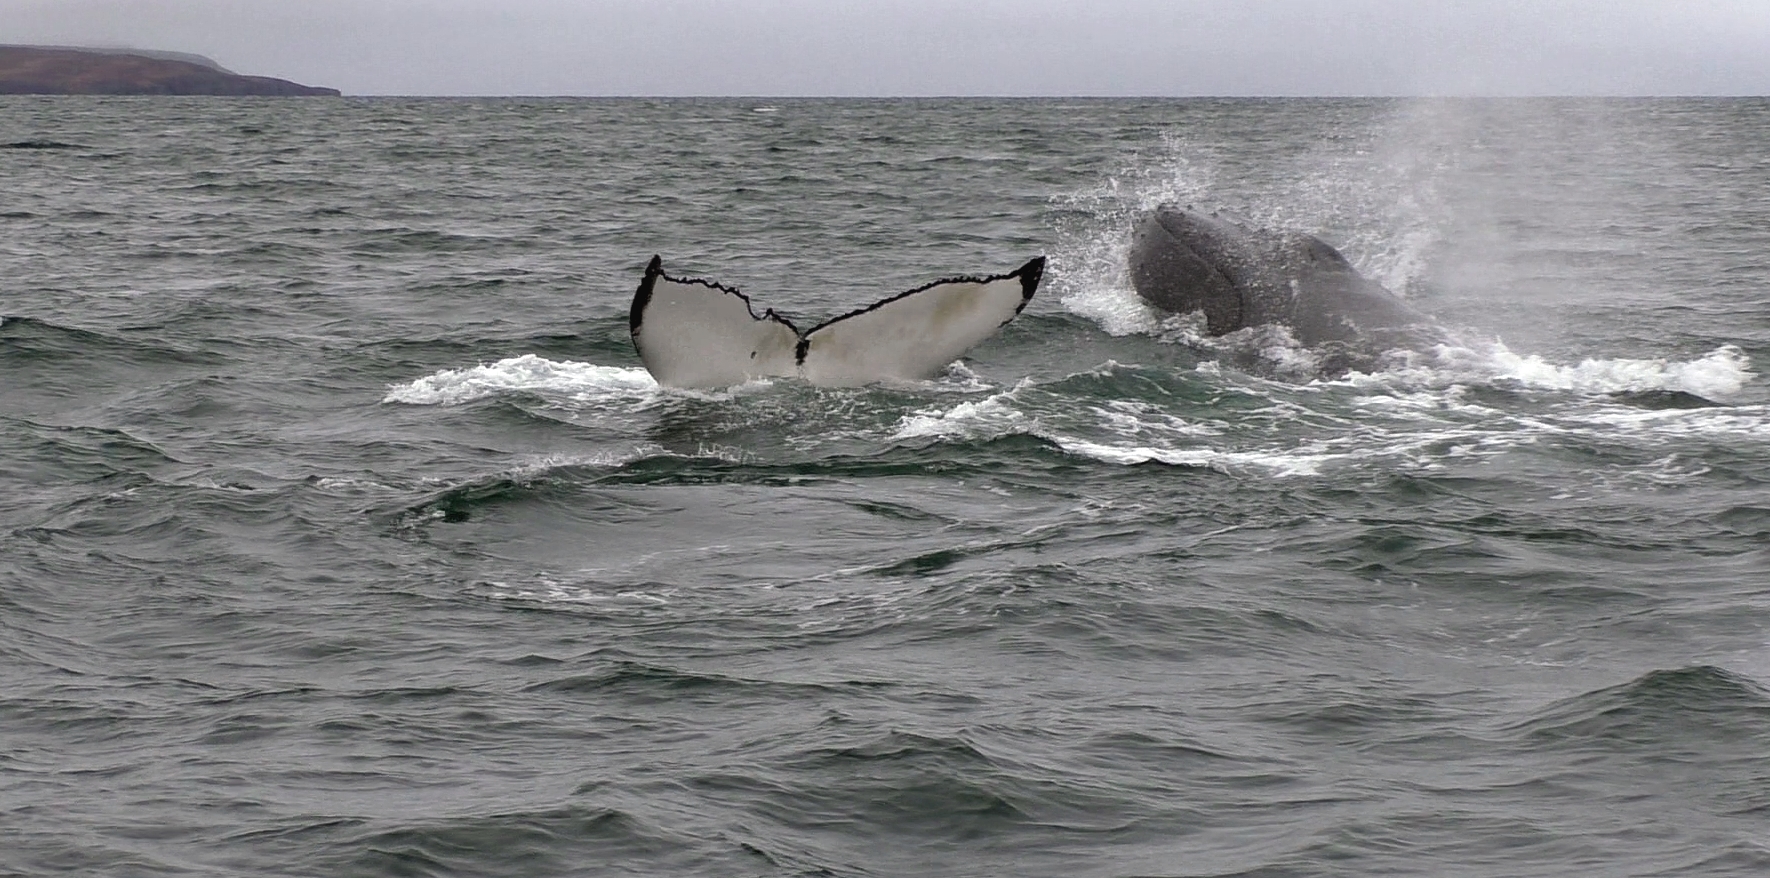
(1044, 97)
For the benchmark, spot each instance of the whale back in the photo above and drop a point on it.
(1182, 260)
(1333, 302)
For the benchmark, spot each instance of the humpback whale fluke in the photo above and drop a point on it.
(692, 332)
(1183, 260)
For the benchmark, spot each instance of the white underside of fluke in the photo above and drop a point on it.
(696, 333)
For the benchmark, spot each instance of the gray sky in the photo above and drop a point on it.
(924, 47)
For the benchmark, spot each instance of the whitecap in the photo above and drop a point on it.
(992, 416)
(527, 373)
(1720, 373)
(1276, 462)
(1717, 375)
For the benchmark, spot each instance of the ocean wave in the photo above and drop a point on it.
(1275, 462)
(1423, 416)
(1137, 432)
(1717, 375)
(1676, 708)
(552, 841)
(463, 500)
(984, 418)
(1721, 373)
(30, 339)
(527, 373)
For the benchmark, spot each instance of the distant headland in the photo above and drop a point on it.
(66, 70)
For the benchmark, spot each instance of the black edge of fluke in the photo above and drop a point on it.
(636, 314)
(655, 269)
(1028, 274)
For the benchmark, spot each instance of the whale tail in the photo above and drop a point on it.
(692, 332)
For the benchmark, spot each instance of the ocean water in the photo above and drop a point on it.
(342, 532)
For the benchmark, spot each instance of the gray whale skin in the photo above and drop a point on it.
(1183, 260)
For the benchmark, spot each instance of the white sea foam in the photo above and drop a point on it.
(1718, 374)
(547, 591)
(582, 381)
(1420, 409)
(542, 465)
(992, 416)
(346, 485)
(1107, 305)
(1746, 422)
(1134, 432)
(1276, 462)
(1132, 418)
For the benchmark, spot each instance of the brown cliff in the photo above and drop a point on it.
(37, 70)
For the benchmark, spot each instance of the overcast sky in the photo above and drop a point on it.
(962, 47)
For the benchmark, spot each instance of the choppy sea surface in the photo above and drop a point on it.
(342, 532)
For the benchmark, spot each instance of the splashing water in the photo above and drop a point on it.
(530, 373)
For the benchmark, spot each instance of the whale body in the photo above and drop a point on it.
(695, 333)
(1183, 260)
